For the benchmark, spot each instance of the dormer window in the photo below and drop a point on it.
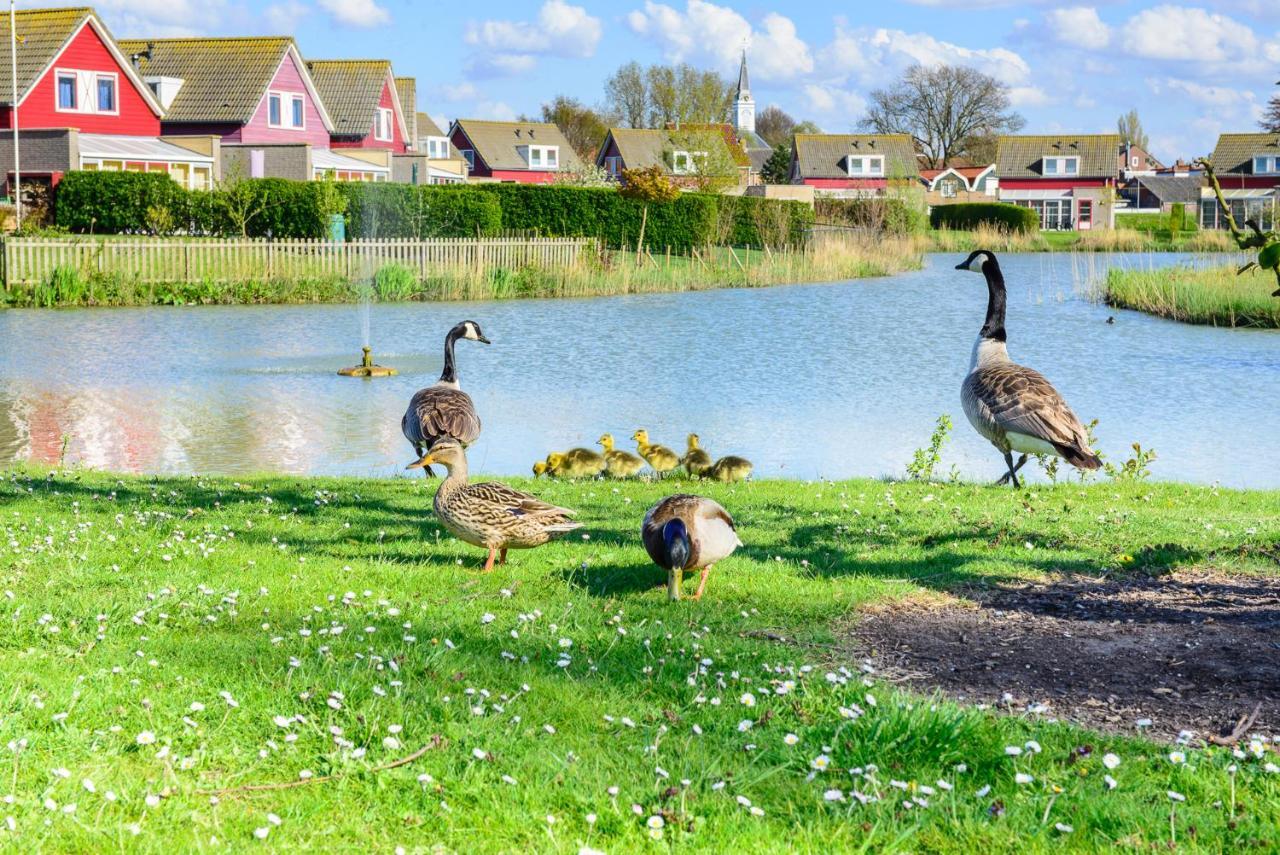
(949, 188)
(1266, 164)
(686, 162)
(86, 92)
(286, 110)
(438, 147)
(1062, 166)
(382, 124)
(541, 156)
(865, 165)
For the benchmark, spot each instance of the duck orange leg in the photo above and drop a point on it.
(502, 556)
(488, 564)
(702, 582)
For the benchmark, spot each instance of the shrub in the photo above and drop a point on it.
(1173, 222)
(969, 215)
(884, 214)
(754, 221)
(419, 211)
(116, 202)
(395, 282)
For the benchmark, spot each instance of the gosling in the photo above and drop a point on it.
(660, 458)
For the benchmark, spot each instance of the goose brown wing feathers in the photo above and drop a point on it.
(1022, 400)
(438, 411)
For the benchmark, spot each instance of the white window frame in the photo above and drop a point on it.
(686, 162)
(613, 165)
(547, 157)
(869, 165)
(469, 155)
(1070, 166)
(438, 148)
(949, 187)
(86, 81)
(382, 120)
(287, 100)
(1263, 159)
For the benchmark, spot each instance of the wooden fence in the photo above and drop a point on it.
(29, 261)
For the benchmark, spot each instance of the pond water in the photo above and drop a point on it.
(831, 380)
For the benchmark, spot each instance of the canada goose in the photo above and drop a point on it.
(730, 468)
(618, 464)
(685, 532)
(443, 410)
(696, 461)
(539, 469)
(575, 463)
(659, 457)
(491, 515)
(1011, 405)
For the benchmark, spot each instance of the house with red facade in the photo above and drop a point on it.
(1248, 169)
(80, 105)
(363, 102)
(256, 96)
(1068, 179)
(524, 152)
(853, 164)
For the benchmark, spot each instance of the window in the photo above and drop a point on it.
(106, 94)
(1266, 164)
(438, 147)
(535, 157)
(66, 91)
(382, 124)
(470, 157)
(613, 164)
(686, 162)
(542, 156)
(85, 91)
(866, 166)
(286, 110)
(949, 188)
(1061, 166)
(273, 110)
(298, 112)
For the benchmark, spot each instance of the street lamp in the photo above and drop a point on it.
(13, 110)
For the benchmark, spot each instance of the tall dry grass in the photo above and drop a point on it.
(1096, 240)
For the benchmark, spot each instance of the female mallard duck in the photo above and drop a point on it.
(491, 515)
(659, 457)
(729, 468)
(688, 533)
(575, 463)
(618, 464)
(1011, 405)
(696, 461)
(443, 410)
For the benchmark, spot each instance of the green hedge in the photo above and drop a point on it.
(1154, 222)
(115, 202)
(419, 211)
(970, 215)
(886, 214)
(601, 212)
(755, 222)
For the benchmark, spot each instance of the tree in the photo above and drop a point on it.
(777, 169)
(806, 127)
(627, 95)
(586, 175)
(774, 125)
(711, 162)
(582, 126)
(944, 108)
(1131, 133)
(648, 186)
(1271, 118)
(663, 95)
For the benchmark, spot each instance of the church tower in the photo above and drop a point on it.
(744, 108)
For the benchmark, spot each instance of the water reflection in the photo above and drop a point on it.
(815, 380)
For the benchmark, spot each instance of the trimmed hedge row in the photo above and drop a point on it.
(114, 202)
(886, 214)
(970, 215)
(419, 211)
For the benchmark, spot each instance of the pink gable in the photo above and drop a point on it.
(288, 81)
(397, 141)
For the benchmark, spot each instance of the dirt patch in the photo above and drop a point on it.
(1188, 652)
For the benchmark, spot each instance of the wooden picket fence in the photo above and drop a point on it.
(30, 261)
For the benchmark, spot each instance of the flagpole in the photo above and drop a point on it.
(13, 109)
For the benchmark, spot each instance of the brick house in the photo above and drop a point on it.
(1068, 179)
(959, 184)
(80, 105)
(1248, 169)
(853, 164)
(676, 152)
(524, 152)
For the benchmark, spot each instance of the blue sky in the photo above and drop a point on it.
(1192, 70)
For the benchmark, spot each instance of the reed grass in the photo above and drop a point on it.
(1215, 296)
(1097, 240)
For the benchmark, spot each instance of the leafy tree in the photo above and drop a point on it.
(806, 127)
(241, 203)
(1271, 118)
(663, 95)
(582, 126)
(777, 169)
(648, 186)
(714, 159)
(1131, 133)
(627, 95)
(944, 108)
(774, 125)
(586, 175)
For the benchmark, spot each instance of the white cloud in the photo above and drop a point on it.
(1028, 96)
(1077, 27)
(501, 64)
(560, 30)
(876, 56)
(831, 102)
(496, 110)
(356, 13)
(1239, 102)
(717, 34)
(127, 18)
(464, 91)
(1174, 32)
(285, 17)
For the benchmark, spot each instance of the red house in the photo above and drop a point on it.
(1248, 170)
(524, 152)
(81, 105)
(363, 102)
(853, 164)
(1068, 179)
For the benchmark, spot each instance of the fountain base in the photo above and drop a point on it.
(367, 367)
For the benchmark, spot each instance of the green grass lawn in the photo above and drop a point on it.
(166, 638)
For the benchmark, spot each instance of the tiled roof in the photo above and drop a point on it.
(427, 126)
(1235, 152)
(641, 147)
(350, 90)
(407, 90)
(43, 32)
(223, 79)
(823, 155)
(1022, 156)
(496, 143)
(1169, 188)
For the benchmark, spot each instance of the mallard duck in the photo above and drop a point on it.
(575, 463)
(1011, 405)
(686, 532)
(618, 464)
(443, 410)
(491, 515)
(696, 461)
(729, 468)
(660, 458)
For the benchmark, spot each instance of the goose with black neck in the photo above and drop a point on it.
(443, 410)
(1015, 407)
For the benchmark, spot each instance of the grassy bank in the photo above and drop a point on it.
(1214, 296)
(612, 272)
(1099, 240)
(168, 639)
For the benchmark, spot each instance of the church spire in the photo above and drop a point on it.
(744, 87)
(744, 108)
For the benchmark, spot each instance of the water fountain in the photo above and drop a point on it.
(367, 367)
(365, 288)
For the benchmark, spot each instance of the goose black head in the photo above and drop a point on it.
(469, 330)
(977, 260)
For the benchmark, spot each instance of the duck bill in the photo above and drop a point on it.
(425, 461)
